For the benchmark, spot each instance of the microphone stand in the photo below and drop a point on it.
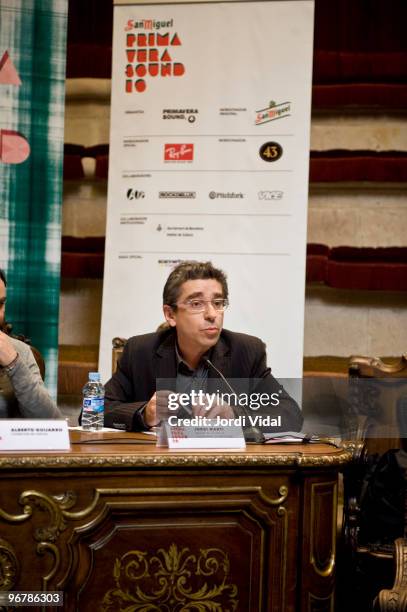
(255, 435)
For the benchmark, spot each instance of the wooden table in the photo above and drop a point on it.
(122, 523)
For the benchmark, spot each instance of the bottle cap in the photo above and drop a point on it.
(94, 376)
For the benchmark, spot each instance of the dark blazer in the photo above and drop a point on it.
(150, 356)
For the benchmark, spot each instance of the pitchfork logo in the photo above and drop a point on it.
(178, 152)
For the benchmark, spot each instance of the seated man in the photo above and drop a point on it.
(22, 392)
(194, 346)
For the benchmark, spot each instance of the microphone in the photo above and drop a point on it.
(255, 435)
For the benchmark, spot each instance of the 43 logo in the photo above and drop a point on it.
(270, 151)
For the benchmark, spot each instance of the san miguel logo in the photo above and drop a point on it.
(149, 53)
(272, 112)
(178, 152)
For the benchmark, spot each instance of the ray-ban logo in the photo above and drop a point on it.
(178, 152)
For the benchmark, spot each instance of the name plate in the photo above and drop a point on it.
(33, 434)
(209, 436)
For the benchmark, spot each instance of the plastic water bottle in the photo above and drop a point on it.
(93, 404)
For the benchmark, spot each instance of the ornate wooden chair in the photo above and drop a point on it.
(395, 599)
(375, 388)
(118, 345)
(378, 400)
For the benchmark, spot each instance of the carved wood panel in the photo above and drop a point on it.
(167, 538)
(319, 549)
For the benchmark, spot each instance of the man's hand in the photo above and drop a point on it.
(7, 351)
(157, 409)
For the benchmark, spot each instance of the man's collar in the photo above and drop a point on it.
(180, 358)
(167, 362)
(168, 345)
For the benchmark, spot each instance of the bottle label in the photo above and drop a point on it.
(93, 404)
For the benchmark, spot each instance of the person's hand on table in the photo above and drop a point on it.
(157, 409)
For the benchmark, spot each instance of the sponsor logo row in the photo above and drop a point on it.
(184, 152)
(137, 194)
(264, 115)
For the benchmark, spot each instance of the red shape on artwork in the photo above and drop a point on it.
(130, 40)
(8, 73)
(153, 55)
(163, 40)
(14, 148)
(179, 69)
(175, 40)
(141, 70)
(140, 85)
(153, 70)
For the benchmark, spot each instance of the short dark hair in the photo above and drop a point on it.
(191, 270)
(3, 277)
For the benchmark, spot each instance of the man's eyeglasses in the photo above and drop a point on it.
(198, 305)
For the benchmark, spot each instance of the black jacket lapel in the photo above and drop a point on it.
(165, 359)
(221, 358)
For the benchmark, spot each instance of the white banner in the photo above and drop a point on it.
(209, 151)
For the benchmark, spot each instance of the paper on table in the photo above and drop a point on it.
(110, 436)
(297, 437)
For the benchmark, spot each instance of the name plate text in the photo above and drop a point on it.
(33, 434)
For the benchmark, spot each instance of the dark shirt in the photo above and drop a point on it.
(188, 379)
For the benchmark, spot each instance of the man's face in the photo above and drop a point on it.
(2, 302)
(197, 330)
